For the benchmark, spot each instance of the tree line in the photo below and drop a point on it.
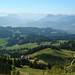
(5, 65)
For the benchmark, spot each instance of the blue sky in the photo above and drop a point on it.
(38, 6)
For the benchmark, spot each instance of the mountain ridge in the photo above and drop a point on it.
(60, 21)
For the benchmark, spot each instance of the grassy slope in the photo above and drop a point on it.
(62, 54)
(2, 42)
(48, 55)
(31, 71)
(44, 55)
(28, 45)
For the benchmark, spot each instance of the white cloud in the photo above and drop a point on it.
(41, 12)
(8, 11)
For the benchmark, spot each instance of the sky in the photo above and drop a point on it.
(38, 6)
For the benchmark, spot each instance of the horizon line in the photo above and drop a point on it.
(31, 12)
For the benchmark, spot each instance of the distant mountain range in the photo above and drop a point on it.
(62, 22)
(13, 20)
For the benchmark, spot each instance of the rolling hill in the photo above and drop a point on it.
(22, 35)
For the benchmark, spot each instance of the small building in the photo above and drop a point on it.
(28, 57)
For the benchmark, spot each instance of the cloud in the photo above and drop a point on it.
(8, 11)
(20, 11)
(35, 12)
